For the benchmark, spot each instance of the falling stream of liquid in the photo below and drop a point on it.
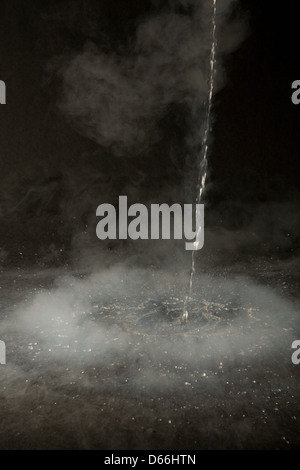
(204, 146)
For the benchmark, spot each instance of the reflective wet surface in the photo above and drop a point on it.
(103, 360)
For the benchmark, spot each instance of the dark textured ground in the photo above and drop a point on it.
(101, 361)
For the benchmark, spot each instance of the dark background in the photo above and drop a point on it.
(52, 178)
(257, 130)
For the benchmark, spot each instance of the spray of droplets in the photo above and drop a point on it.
(204, 148)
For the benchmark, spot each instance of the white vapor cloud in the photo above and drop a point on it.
(118, 99)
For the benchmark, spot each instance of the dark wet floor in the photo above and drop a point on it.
(103, 360)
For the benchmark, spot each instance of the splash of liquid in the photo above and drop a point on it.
(204, 147)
